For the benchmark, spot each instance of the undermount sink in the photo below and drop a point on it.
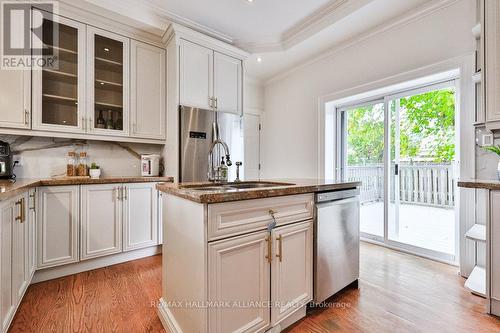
(234, 186)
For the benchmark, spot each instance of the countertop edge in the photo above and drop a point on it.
(479, 184)
(22, 185)
(221, 197)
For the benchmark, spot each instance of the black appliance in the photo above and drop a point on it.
(6, 171)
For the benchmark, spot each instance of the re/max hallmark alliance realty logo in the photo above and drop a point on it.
(30, 35)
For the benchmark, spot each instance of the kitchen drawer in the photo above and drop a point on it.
(239, 217)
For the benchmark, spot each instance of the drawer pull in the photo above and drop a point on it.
(269, 241)
(280, 247)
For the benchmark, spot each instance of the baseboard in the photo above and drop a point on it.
(88, 265)
(167, 319)
(293, 317)
(494, 307)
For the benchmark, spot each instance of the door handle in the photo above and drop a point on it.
(20, 216)
(396, 169)
(280, 247)
(269, 241)
(124, 195)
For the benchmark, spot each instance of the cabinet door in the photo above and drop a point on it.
(161, 212)
(141, 216)
(7, 301)
(108, 83)
(59, 91)
(15, 98)
(58, 223)
(20, 273)
(227, 83)
(196, 75)
(238, 271)
(101, 224)
(147, 82)
(31, 248)
(291, 269)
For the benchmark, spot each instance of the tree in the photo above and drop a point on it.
(427, 129)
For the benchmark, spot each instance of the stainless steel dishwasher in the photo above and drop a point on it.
(336, 242)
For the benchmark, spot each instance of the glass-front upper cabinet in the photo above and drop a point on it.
(58, 85)
(108, 83)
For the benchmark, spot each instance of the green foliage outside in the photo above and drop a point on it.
(427, 131)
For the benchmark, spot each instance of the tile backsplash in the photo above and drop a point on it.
(46, 157)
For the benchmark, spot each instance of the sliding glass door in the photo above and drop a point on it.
(403, 148)
(363, 160)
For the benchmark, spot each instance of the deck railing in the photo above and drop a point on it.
(426, 184)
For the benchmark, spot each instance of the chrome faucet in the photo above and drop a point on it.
(212, 171)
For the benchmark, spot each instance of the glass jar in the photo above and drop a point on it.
(82, 169)
(71, 164)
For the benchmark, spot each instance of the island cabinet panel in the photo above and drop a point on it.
(239, 273)
(101, 225)
(140, 218)
(233, 218)
(58, 226)
(291, 269)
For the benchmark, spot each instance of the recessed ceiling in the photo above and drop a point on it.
(257, 21)
(283, 33)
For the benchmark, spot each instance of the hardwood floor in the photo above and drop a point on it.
(398, 293)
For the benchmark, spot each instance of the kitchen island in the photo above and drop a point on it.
(238, 257)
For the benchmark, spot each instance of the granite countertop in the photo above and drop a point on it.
(9, 188)
(287, 187)
(486, 184)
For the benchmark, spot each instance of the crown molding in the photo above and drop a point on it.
(320, 19)
(410, 17)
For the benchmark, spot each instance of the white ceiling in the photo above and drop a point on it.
(285, 33)
(260, 20)
(377, 13)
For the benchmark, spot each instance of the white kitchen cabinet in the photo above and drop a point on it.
(101, 222)
(228, 81)
(7, 302)
(14, 278)
(59, 93)
(15, 98)
(20, 275)
(108, 83)
(491, 70)
(493, 244)
(58, 224)
(140, 217)
(15, 91)
(148, 88)
(31, 247)
(196, 75)
(238, 271)
(291, 269)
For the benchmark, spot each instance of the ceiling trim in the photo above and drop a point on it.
(410, 17)
(320, 19)
(174, 18)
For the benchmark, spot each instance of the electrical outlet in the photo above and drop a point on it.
(19, 159)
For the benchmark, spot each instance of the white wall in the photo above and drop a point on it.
(290, 123)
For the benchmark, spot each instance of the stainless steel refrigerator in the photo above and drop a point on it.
(198, 129)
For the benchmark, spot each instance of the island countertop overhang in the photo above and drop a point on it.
(297, 186)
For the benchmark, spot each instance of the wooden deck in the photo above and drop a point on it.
(398, 293)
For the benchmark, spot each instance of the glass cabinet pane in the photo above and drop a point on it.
(108, 77)
(60, 83)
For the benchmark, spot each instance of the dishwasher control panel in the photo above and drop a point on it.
(337, 195)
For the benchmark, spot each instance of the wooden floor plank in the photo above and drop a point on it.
(398, 293)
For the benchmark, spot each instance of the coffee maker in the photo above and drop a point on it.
(5, 161)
